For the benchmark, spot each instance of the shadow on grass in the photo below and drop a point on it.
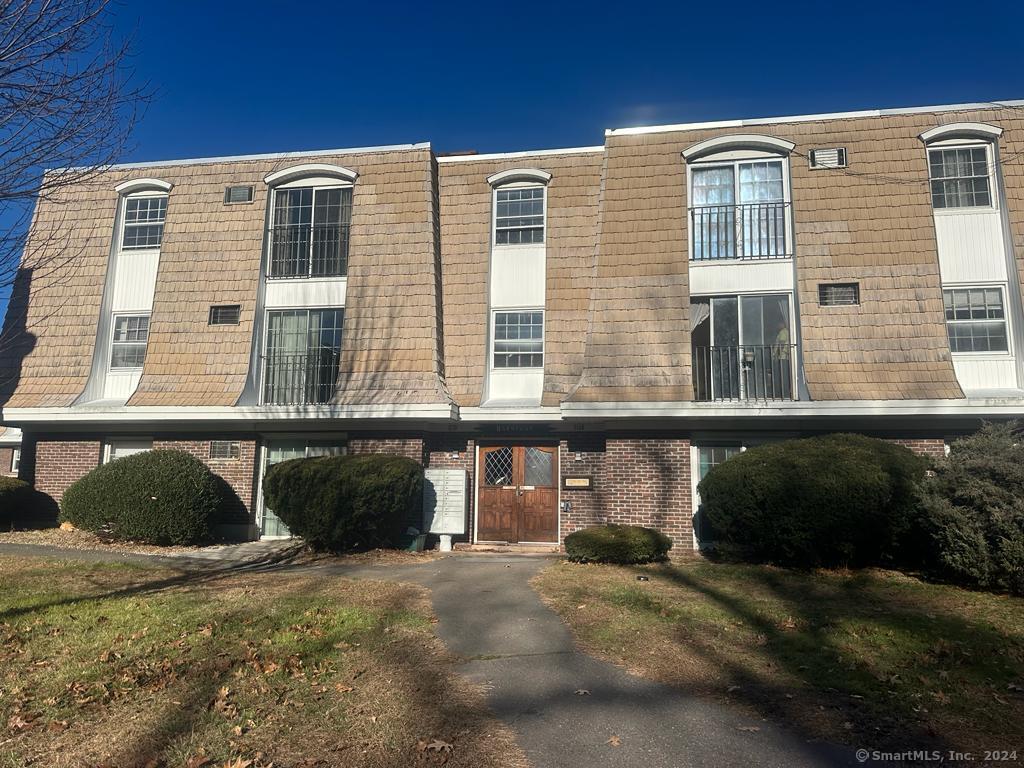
(872, 709)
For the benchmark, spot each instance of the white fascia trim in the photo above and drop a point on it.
(519, 174)
(139, 185)
(993, 406)
(809, 118)
(244, 158)
(962, 130)
(737, 141)
(185, 414)
(528, 153)
(311, 169)
(526, 413)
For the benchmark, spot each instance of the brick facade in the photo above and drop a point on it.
(932, 447)
(59, 463)
(397, 446)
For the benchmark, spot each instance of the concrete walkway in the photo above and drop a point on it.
(524, 656)
(523, 653)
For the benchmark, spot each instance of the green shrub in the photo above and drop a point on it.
(973, 510)
(617, 544)
(823, 501)
(15, 496)
(160, 497)
(337, 503)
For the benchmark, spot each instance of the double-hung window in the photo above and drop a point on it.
(519, 216)
(976, 319)
(128, 345)
(960, 177)
(143, 225)
(310, 232)
(303, 352)
(519, 339)
(738, 211)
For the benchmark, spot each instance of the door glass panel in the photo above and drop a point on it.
(752, 317)
(538, 465)
(271, 524)
(498, 467)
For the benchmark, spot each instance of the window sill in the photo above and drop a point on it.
(310, 279)
(977, 210)
(517, 246)
(788, 258)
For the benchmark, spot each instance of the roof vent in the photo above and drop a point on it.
(834, 157)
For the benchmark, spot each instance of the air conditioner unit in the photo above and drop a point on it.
(834, 157)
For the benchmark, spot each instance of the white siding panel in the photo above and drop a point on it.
(970, 247)
(769, 276)
(512, 385)
(985, 373)
(120, 385)
(135, 281)
(327, 292)
(517, 277)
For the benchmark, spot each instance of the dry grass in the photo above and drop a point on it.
(78, 539)
(114, 665)
(872, 658)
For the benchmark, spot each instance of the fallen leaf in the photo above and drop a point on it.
(57, 726)
(581, 692)
(748, 728)
(437, 745)
(732, 689)
(614, 741)
(198, 761)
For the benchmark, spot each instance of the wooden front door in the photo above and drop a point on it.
(518, 493)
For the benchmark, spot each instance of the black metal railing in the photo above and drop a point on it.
(744, 373)
(750, 231)
(300, 378)
(308, 250)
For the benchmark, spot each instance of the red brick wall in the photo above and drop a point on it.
(411, 447)
(635, 482)
(59, 463)
(934, 448)
(239, 473)
(6, 456)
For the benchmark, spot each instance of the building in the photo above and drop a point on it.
(584, 332)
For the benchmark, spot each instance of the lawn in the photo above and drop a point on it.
(117, 665)
(874, 659)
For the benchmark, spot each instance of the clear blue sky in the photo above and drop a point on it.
(234, 77)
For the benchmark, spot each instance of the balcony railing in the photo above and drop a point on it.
(308, 250)
(300, 379)
(750, 231)
(744, 373)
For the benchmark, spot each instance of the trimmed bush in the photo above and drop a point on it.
(973, 510)
(159, 497)
(15, 496)
(338, 503)
(836, 500)
(623, 544)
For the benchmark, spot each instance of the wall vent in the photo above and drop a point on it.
(225, 314)
(834, 157)
(838, 294)
(241, 194)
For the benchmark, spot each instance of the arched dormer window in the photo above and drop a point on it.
(311, 215)
(520, 206)
(961, 165)
(143, 212)
(739, 198)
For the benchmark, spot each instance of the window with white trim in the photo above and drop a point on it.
(519, 339)
(128, 345)
(15, 460)
(226, 450)
(310, 232)
(738, 210)
(118, 449)
(976, 319)
(519, 215)
(143, 224)
(960, 177)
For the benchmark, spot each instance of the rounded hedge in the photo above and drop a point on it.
(835, 500)
(159, 497)
(622, 544)
(339, 503)
(15, 496)
(973, 511)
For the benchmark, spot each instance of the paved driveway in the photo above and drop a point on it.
(523, 653)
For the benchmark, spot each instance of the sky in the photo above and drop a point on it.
(236, 78)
